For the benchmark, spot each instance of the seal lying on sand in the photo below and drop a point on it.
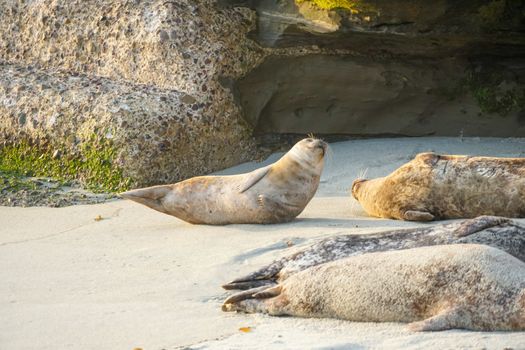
(433, 186)
(435, 288)
(273, 194)
(505, 234)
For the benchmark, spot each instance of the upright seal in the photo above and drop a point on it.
(434, 187)
(273, 194)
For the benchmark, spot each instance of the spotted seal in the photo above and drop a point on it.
(432, 187)
(273, 194)
(503, 233)
(435, 288)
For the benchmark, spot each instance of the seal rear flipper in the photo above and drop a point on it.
(254, 177)
(429, 158)
(480, 223)
(149, 196)
(264, 276)
(447, 319)
(254, 300)
(247, 294)
(416, 215)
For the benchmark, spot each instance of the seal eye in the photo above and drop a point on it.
(309, 140)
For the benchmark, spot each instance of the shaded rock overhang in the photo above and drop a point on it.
(404, 68)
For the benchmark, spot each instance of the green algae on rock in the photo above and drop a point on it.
(93, 166)
(148, 71)
(24, 191)
(494, 93)
(333, 4)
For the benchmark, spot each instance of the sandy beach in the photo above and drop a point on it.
(121, 276)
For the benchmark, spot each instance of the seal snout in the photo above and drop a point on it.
(355, 186)
(321, 145)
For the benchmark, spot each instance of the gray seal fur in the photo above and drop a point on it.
(434, 288)
(503, 233)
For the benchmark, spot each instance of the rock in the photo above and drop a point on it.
(376, 68)
(179, 88)
(286, 23)
(140, 119)
(120, 69)
(352, 95)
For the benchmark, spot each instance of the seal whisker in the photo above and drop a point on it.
(362, 173)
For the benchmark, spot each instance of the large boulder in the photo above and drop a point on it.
(143, 73)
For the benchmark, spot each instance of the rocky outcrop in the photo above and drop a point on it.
(179, 88)
(350, 95)
(143, 73)
(444, 24)
(159, 133)
(404, 68)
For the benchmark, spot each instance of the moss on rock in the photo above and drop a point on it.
(491, 13)
(493, 93)
(352, 6)
(333, 4)
(93, 166)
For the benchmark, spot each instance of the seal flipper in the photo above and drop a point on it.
(447, 319)
(429, 158)
(261, 299)
(254, 177)
(480, 223)
(245, 285)
(416, 215)
(268, 292)
(247, 294)
(149, 196)
(264, 276)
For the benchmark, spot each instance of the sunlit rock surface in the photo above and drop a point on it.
(145, 73)
(182, 87)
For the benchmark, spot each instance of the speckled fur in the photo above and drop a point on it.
(436, 186)
(281, 193)
(435, 288)
(505, 234)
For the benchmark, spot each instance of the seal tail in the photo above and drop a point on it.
(149, 196)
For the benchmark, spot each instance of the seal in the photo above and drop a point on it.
(434, 288)
(502, 233)
(273, 194)
(433, 187)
